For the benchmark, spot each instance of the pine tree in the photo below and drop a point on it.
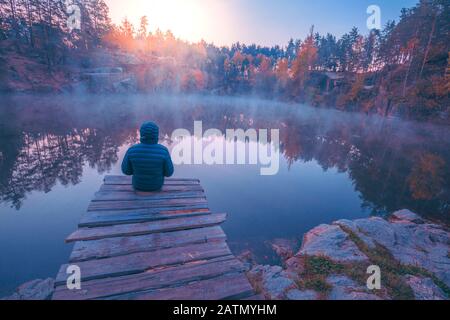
(142, 32)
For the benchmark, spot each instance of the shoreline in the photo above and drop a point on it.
(413, 254)
(332, 263)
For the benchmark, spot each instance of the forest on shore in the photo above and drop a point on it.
(402, 70)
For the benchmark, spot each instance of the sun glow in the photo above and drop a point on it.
(191, 20)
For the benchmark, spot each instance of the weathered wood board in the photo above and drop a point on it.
(114, 217)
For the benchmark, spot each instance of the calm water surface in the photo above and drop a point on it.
(55, 151)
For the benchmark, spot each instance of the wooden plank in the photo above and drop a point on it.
(159, 226)
(165, 188)
(127, 180)
(150, 210)
(152, 279)
(167, 183)
(108, 218)
(143, 261)
(126, 196)
(113, 247)
(226, 287)
(139, 204)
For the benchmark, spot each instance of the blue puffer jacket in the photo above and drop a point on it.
(148, 162)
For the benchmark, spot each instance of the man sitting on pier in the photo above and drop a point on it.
(148, 162)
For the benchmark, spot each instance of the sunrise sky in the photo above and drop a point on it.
(265, 22)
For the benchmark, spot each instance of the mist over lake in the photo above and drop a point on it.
(56, 149)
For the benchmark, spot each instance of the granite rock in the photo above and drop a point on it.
(332, 242)
(34, 290)
(425, 288)
(271, 280)
(345, 288)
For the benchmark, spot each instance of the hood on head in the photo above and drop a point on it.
(149, 133)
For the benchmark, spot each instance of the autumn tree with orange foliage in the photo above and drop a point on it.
(304, 64)
(282, 72)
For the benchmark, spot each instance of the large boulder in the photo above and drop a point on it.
(272, 281)
(34, 290)
(128, 85)
(284, 248)
(410, 239)
(332, 242)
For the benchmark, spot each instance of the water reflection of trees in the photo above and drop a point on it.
(38, 151)
(392, 164)
(47, 159)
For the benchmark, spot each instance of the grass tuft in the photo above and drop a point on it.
(322, 266)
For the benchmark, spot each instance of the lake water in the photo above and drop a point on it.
(55, 151)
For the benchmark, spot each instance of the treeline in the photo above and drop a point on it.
(42, 27)
(403, 69)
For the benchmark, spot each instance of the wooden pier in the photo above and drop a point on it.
(163, 245)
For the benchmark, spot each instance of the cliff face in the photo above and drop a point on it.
(24, 74)
(412, 254)
(100, 72)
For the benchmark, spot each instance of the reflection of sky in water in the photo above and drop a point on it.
(231, 149)
(332, 166)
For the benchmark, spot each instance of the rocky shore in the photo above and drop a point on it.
(34, 290)
(413, 256)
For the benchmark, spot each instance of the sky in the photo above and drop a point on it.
(264, 22)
